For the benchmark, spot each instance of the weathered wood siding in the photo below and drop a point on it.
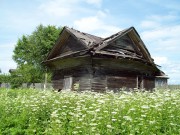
(72, 45)
(124, 43)
(99, 83)
(57, 80)
(149, 83)
(117, 82)
(58, 84)
(161, 83)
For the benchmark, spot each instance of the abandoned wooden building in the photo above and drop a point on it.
(82, 61)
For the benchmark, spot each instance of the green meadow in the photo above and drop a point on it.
(28, 112)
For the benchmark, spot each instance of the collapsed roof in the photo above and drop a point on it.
(98, 45)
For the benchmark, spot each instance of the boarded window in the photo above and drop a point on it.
(68, 82)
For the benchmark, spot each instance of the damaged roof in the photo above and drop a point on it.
(88, 39)
(94, 44)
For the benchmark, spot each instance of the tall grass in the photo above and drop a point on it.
(26, 111)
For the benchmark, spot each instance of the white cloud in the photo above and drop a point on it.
(7, 64)
(173, 70)
(149, 24)
(162, 36)
(94, 2)
(64, 8)
(96, 25)
(162, 32)
(7, 45)
(162, 18)
(170, 67)
(57, 8)
(172, 5)
(160, 60)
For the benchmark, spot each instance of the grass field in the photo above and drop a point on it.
(27, 111)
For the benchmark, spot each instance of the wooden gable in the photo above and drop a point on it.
(126, 43)
(66, 44)
(123, 45)
(70, 46)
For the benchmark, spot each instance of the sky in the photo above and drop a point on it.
(156, 21)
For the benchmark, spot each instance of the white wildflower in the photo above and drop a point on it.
(152, 122)
(114, 119)
(54, 114)
(145, 107)
(143, 115)
(75, 132)
(132, 109)
(128, 118)
(101, 101)
(58, 121)
(114, 112)
(97, 110)
(78, 127)
(64, 106)
(93, 124)
(109, 126)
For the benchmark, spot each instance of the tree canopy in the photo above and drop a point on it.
(32, 49)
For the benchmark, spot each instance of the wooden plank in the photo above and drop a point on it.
(71, 62)
(119, 82)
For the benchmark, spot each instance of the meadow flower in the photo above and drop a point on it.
(128, 118)
(93, 124)
(132, 109)
(114, 119)
(75, 132)
(54, 114)
(101, 101)
(97, 110)
(145, 107)
(78, 127)
(152, 122)
(57, 121)
(114, 112)
(93, 129)
(109, 126)
(143, 115)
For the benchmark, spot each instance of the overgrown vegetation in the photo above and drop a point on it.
(46, 112)
(4, 78)
(29, 53)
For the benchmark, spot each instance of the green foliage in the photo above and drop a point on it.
(46, 112)
(16, 80)
(4, 78)
(31, 50)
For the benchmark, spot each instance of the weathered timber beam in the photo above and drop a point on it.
(82, 52)
(119, 55)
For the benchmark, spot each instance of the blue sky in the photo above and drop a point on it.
(157, 22)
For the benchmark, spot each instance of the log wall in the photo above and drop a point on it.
(117, 82)
(149, 83)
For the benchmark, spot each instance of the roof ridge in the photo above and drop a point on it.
(88, 39)
(82, 32)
